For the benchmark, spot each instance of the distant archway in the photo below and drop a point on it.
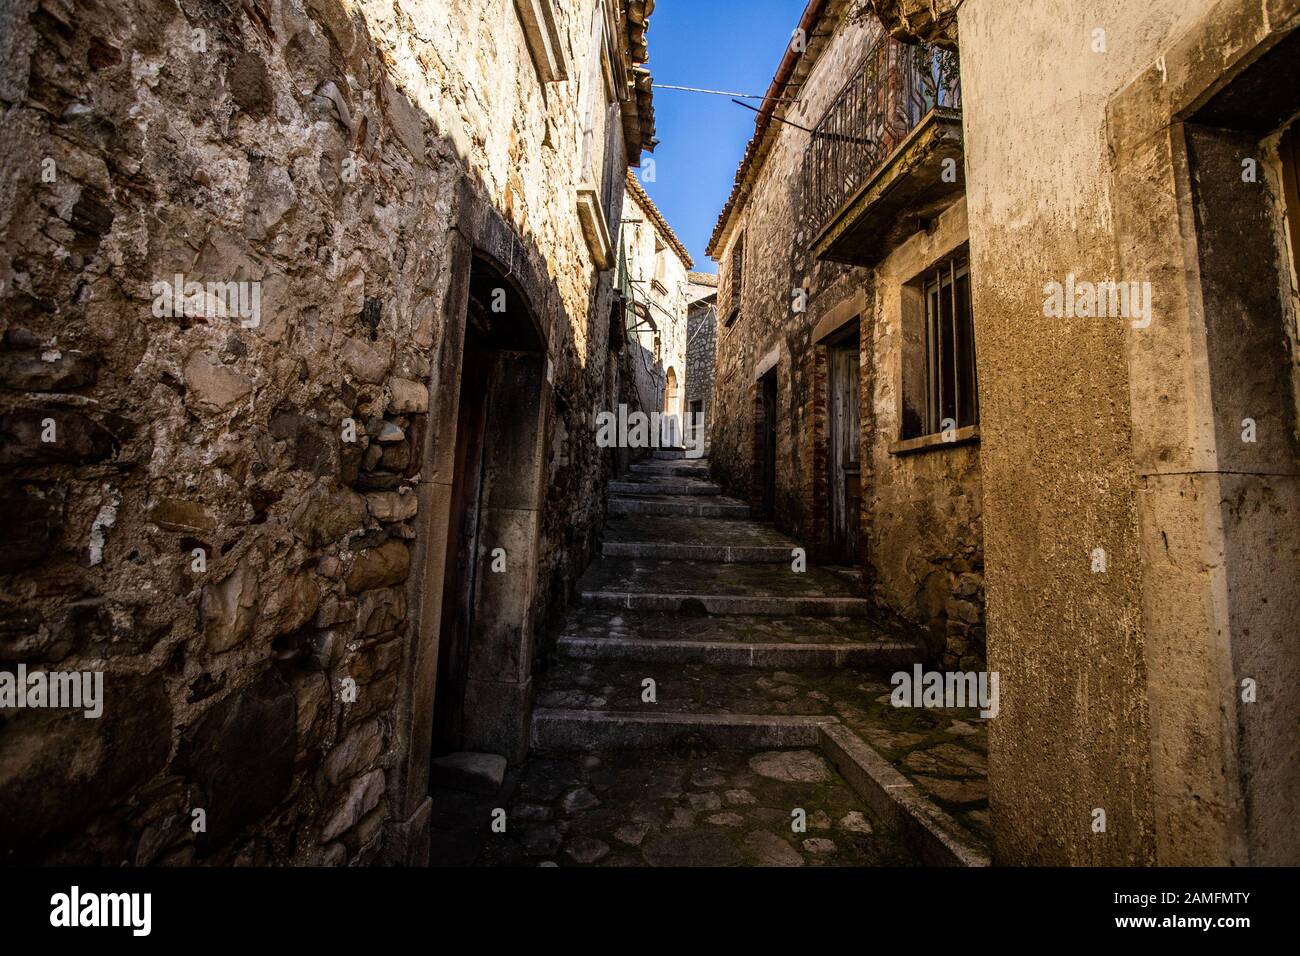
(672, 417)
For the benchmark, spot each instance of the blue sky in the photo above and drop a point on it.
(722, 45)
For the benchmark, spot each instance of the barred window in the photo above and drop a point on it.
(940, 389)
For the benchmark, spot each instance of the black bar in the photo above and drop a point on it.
(202, 908)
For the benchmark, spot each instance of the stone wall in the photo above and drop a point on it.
(221, 515)
(775, 237)
(1058, 477)
(657, 275)
(921, 513)
(701, 350)
(925, 547)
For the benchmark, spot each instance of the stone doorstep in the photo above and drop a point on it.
(665, 486)
(583, 730)
(471, 772)
(737, 653)
(807, 606)
(705, 509)
(928, 831)
(754, 554)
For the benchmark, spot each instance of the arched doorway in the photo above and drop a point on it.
(481, 694)
(672, 417)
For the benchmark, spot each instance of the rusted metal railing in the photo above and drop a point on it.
(893, 90)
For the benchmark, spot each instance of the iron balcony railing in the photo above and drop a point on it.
(893, 90)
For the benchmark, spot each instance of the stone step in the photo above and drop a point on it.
(669, 454)
(699, 586)
(738, 653)
(690, 468)
(662, 485)
(618, 686)
(689, 538)
(790, 643)
(666, 550)
(696, 505)
(587, 730)
(693, 601)
(591, 622)
(594, 704)
(595, 634)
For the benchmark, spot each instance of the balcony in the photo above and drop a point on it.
(887, 156)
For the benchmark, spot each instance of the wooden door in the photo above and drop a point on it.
(843, 452)
(462, 546)
(768, 446)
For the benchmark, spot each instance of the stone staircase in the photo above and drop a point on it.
(694, 579)
(742, 652)
(687, 578)
(770, 703)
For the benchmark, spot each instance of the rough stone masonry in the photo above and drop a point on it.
(223, 512)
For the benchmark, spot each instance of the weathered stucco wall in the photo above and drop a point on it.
(327, 150)
(1073, 735)
(1217, 505)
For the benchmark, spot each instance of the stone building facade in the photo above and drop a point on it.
(279, 282)
(821, 365)
(653, 275)
(1128, 175)
(701, 348)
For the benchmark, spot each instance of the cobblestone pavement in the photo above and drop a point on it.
(637, 808)
(942, 751)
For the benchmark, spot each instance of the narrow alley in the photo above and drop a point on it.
(508, 434)
(709, 707)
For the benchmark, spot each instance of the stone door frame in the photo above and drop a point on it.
(478, 230)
